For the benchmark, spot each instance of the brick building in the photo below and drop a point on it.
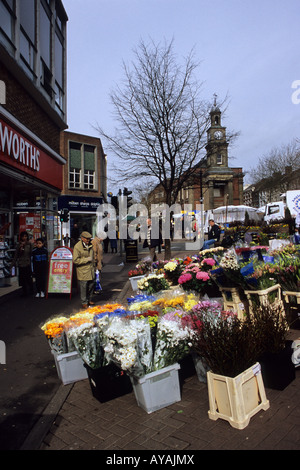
(32, 116)
(84, 180)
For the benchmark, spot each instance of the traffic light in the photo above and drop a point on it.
(126, 193)
(64, 215)
(114, 202)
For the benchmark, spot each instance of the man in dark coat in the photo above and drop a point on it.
(214, 234)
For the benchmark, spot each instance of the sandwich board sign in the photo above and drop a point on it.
(60, 271)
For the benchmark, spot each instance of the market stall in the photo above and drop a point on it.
(177, 310)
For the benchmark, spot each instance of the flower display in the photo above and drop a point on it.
(173, 341)
(173, 269)
(193, 278)
(153, 283)
(136, 272)
(54, 331)
(86, 341)
(227, 344)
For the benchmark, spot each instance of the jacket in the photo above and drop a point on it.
(214, 233)
(22, 257)
(39, 259)
(85, 269)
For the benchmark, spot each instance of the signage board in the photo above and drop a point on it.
(60, 271)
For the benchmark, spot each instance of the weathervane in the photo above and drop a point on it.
(215, 95)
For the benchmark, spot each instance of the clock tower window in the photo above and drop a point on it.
(219, 159)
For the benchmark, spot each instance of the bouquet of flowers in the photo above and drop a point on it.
(231, 269)
(55, 333)
(153, 283)
(86, 340)
(173, 341)
(128, 344)
(140, 303)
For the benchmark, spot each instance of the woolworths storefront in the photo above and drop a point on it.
(30, 183)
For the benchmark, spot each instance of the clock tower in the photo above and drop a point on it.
(217, 146)
(223, 185)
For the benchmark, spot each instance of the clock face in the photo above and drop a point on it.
(218, 134)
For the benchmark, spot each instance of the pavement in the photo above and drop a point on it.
(73, 419)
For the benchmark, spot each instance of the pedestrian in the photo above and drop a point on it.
(214, 234)
(84, 260)
(114, 242)
(106, 239)
(74, 235)
(66, 240)
(40, 266)
(22, 259)
(151, 242)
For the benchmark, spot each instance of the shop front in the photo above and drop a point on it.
(30, 182)
(82, 216)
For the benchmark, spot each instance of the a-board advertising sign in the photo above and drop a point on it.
(60, 271)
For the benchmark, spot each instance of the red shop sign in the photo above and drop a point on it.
(18, 151)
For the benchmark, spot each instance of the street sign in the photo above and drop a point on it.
(60, 271)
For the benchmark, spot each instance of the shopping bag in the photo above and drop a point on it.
(97, 288)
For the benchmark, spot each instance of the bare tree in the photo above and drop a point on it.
(273, 165)
(162, 120)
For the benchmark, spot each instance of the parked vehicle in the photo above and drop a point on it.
(276, 210)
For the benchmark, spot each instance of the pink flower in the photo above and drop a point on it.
(184, 278)
(209, 261)
(202, 276)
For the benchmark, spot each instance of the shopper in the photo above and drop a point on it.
(214, 234)
(74, 235)
(22, 259)
(151, 242)
(40, 266)
(84, 260)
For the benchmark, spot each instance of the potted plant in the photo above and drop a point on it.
(172, 269)
(136, 274)
(228, 346)
(275, 351)
(153, 283)
(196, 277)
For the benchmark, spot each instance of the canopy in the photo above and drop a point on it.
(226, 214)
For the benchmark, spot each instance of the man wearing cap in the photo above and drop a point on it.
(84, 260)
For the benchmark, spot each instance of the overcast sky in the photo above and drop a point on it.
(248, 50)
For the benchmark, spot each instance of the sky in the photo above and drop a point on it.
(247, 50)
